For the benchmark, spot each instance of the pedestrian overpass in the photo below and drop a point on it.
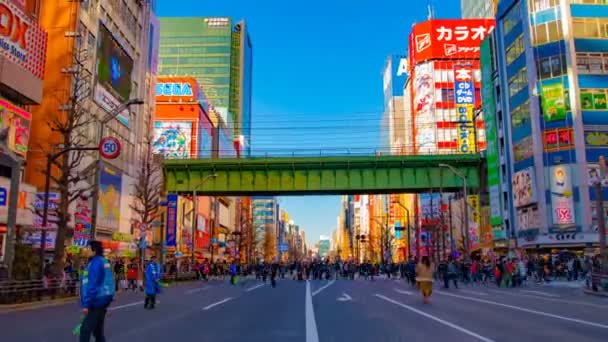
(321, 175)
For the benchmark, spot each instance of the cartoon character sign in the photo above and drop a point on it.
(561, 195)
(172, 139)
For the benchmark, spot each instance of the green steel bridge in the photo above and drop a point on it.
(322, 175)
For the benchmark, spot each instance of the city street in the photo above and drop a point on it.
(382, 310)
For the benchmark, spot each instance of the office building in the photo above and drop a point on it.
(471, 9)
(218, 53)
(551, 62)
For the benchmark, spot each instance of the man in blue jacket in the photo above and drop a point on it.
(152, 283)
(97, 292)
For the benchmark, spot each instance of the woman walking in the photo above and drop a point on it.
(424, 278)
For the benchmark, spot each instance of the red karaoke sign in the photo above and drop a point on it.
(448, 39)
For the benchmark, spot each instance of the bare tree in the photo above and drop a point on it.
(71, 124)
(147, 189)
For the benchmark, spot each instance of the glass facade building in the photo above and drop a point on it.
(552, 116)
(477, 8)
(219, 55)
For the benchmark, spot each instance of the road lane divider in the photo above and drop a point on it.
(436, 319)
(317, 291)
(254, 287)
(312, 334)
(409, 293)
(519, 308)
(112, 308)
(192, 291)
(540, 293)
(565, 301)
(476, 293)
(210, 306)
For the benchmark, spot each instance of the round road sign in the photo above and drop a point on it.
(109, 148)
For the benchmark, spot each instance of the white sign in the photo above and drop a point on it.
(109, 148)
(106, 101)
(174, 89)
(27, 196)
(423, 42)
(403, 67)
(462, 33)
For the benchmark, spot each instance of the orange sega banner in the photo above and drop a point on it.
(177, 89)
(448, 39)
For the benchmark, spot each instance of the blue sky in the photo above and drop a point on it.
(317, 76)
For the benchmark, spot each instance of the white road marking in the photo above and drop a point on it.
(217, 303)
(323, 288)
(540, 293)
(191, 291)
(519, 308)
(345, 297)
(436, 319)
(409, 293)
(112, 308)
(550, 299)
(312, 335)
(254, 287)
(477, 293)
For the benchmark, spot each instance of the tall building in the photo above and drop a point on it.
(22, 58)
(324, 244)
(397, 111)
(218, 53)
(478, 8)
(90, 39)
(551, 62)
(265, 220)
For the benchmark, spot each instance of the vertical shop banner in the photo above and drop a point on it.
(464, 99)
(562, 201)
(82, 223)
(553, 102)
(17, 122)
(474, 220)
(110, 188)
(424, 108)
(171, 236)
(489, 116)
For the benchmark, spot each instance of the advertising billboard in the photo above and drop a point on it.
(553, 102)
(18, 123)
(177, 89)
(110, 188)
(524, 187)
(172, 139)
(399, 66)
(474, 220)
(464, 99)
(523, 150)
(489, 116)
(171, 236)
(559, 139)
(562, 202)
(448, 39)
(22, 41)
(596, 139)
(424, 109)
(113, 76)
(25, 200)
(82, 223)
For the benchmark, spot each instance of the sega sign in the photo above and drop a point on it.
(174, 89)
(400, 66)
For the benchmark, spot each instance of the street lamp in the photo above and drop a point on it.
(111, 116)
(195, 210)
(466, 209)
(408, 226)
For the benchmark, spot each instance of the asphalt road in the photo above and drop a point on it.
(343, 310)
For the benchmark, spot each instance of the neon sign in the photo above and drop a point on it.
(174, 89)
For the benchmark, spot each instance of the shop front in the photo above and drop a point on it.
(25, 215)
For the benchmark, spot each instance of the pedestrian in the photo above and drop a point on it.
(152, 283)
(97, 292)
(274, 269)
(233, 273)
(452, 274)
(424, 278)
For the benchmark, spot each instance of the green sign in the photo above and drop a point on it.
(591, 101)
(489, 115)
(554, 104)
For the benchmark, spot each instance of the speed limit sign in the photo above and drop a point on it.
(109, 148)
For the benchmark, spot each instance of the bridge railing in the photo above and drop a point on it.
(325, 152)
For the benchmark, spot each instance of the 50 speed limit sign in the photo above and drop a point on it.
(109, 148)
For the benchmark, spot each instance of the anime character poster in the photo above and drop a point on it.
(172, 139)
(110, 188)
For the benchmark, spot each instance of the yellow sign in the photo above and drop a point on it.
(596, 138)
(122, 237)
(465, 129)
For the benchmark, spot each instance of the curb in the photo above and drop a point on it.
(8, 308)
(597, 294)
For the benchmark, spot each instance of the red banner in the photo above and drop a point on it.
(448, 39)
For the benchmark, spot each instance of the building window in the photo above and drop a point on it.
(518, 81)
(447, 95)
(592, 63)
(520, 116)
(547, 32)
(553, 66)
(539, 5)
(515, 49)
(512, 18)
(590, 27)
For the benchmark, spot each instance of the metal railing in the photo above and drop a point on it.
(25, 291)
